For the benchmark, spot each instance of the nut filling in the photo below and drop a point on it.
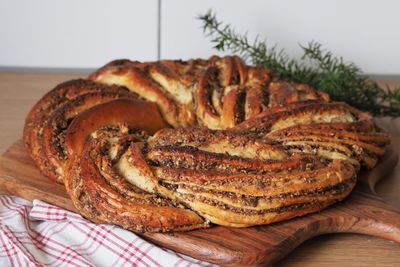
(179, 145)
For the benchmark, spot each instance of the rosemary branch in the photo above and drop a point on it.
(317, 67)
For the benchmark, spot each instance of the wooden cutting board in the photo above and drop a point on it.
(362, 212)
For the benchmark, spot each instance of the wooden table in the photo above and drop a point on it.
(20, 90)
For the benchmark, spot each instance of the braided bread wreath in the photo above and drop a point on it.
(177, 145)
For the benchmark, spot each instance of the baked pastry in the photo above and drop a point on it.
(217, 93)
(100, 189)
(236, 180)
(47, 121)
(177, 145)
(329, 130)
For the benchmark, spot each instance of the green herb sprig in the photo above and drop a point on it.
(317, 67)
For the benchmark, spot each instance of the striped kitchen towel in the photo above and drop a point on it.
(38, 234)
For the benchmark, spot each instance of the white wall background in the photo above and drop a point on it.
(76, 34)
(87, 34)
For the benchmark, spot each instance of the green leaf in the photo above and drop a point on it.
(318, 67)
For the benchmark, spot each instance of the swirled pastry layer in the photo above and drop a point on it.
(177, 145)
(217, 93)
(48, 120)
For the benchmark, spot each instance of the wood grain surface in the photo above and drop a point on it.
(19, 91)
(362, 212)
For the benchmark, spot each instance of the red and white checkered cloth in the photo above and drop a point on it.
(38, 234)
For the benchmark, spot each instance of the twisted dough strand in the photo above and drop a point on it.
(245, 148)
(217, 93)
(46, 123)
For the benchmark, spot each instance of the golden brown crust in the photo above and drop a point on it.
(217, 93)
(47, 121)
(273, 149)
(225, 177)
(99, 190)
(96, 180)
(330, 130)
(284, 92)
(141, 78)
